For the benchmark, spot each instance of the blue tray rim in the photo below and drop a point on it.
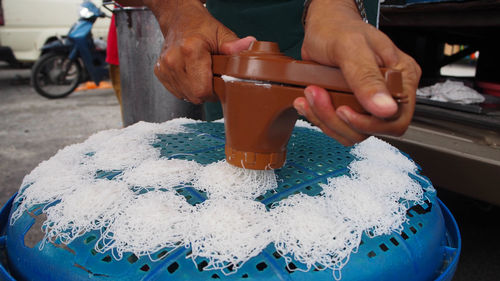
(447, 274)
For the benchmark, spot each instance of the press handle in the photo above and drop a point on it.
(263, 62)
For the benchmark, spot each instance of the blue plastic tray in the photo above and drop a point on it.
(427, 249)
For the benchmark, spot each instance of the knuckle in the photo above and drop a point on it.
(345, 43)
(345, 142)
(171, 89)
(413, 66)
(390, 56)
(359, 138)
(353, 39)
(201, 91)
(169, 59)
(418, 69)
(367, 76)
(398, 131)
(190, 46)
(402, 130)
(187, 49)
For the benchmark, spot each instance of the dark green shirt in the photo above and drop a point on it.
(268, 20)
(271, 20)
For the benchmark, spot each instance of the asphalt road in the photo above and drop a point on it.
(33, 128)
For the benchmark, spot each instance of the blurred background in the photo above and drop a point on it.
(456, 142)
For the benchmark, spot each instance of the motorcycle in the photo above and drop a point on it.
(71, 60)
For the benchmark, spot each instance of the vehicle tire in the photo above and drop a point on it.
(55, 76)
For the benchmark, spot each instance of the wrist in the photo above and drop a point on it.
(332, 11)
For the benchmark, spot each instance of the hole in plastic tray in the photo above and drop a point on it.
(413, 230)
(290, 267)
(202, 265)
(145, 268)
(173, 267)
(230, 268)
(89, 239)
(394, 241)
(132, 258)
(318, 268)
(106, 259)
(162, 254)
(261, 266)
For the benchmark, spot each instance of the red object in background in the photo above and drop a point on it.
(490, 88)
(112, 46)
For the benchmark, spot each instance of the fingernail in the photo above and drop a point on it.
(383, 100)
(309, 96)
(300, 108)
(343, 114)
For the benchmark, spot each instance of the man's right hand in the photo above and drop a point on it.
(192, 35)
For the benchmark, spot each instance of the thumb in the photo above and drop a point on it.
(365, 79)
(235, 46)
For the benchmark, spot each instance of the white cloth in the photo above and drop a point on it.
(451, 91)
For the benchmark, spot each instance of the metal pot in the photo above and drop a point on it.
(139, 44)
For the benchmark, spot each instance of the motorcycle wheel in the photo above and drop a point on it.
(55, 76)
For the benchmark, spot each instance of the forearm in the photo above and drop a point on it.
(166, 12)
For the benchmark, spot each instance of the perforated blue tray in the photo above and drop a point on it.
(427, 249)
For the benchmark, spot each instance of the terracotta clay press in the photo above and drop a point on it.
(257, 88)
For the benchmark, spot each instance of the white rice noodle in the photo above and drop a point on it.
(139, 211)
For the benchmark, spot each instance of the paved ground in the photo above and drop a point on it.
(33, 128)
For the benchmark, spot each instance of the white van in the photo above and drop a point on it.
(26, 25)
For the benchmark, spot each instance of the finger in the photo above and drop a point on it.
(372, 125)
(164, 70)
(321, 104)
(198, 71)
(200, 74)
(394, 58)
(302, 107)
(411, 74)
(168, 86)
(386, 52)
(236, 46)
(410, 78)
(360, 68)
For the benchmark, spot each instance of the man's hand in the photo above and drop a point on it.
(335, 35)
(192, 35)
